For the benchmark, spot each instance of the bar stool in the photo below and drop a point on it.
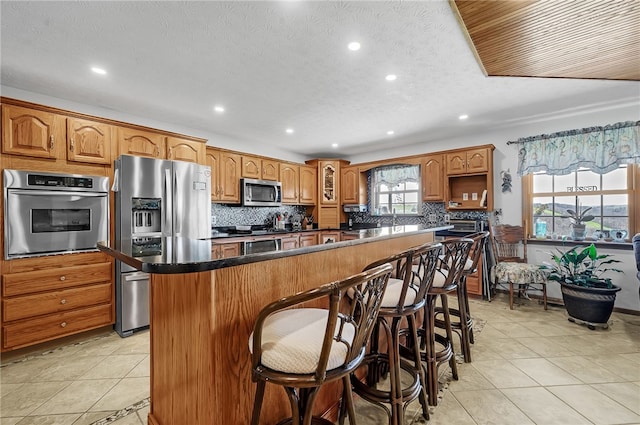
(414, 270)
(302, 348)
(463, 325)
(445, 281)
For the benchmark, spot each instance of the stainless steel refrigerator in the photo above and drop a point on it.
(154, 199)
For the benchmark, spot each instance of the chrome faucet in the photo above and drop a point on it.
(394, 218)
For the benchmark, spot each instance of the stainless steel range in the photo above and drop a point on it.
(47, 213)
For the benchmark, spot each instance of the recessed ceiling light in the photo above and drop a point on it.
(219, 109)
(99, 70)
(463, 117)
(334, 145)
(354, 45)
(390, 132)
(390, 77)
(289, 130)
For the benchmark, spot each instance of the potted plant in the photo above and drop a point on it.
(588, 296)
(578, 219)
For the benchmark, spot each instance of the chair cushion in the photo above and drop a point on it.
(520, 273)
(292, 341)
(393, 291)
(439, 278)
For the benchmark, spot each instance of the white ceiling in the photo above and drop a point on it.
(275, 65)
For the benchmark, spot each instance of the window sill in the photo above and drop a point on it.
(569, 243)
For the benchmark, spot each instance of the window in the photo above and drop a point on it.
(396, 190)
(609, 196)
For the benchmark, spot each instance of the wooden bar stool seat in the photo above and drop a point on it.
(301, 347)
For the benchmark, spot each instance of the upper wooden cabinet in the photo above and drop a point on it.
(270, 169)
(141, 143)
(473, 188)
(88, 141)
(433, 178)
(290, 179)
(353, 189)
(185, 150)
(225, 175)
(469, 161)
(251, 167)
(308, 185)
(32, 132)
(329, 181)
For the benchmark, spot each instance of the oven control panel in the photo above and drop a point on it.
(59, 181)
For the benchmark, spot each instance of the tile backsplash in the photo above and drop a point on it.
(225, 215)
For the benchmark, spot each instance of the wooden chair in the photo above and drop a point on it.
(302, 348)
(510, 252)
(463, 325)
(405, 297)
(636, 250)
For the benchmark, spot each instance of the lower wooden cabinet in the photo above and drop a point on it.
(43, 300)
(309, 239)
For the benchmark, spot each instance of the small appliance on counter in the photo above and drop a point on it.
(351, 208)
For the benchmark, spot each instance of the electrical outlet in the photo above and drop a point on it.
(447, 218)
(432, 217)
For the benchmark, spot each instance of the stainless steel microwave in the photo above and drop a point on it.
(261, 193)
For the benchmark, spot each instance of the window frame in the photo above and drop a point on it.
(632, 192)
(418, 193)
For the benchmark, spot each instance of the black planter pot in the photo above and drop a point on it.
(589, 305)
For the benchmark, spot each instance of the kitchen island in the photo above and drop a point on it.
(203, 309)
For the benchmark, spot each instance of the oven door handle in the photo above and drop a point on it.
(56, 192)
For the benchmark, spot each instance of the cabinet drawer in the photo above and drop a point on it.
(55, 278)
(57, 325)
(53, 302)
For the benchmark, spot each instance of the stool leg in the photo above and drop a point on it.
(510, 295)
(347, 400)
(257, 403)
(465, 341)
(470, 321)
(418, 365)
(397, 411)
(544, 295)
(430, 350)
(447, 320)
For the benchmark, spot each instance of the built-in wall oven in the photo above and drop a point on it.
(46, 213)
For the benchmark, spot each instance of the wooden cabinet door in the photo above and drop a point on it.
(456, 163)
(89, 141)
(185, 150)
(230, 164)
(212, 159)
(309, 239)
(290, 242)
(350, 189)
(270, 170)
(477, 161)
(308, 185)
(432, 178)
(251, 167)
(141, 143)
(289, 177)
(31, 132)
(328, 182)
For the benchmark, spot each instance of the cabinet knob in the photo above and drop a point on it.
(71, 145)
(63, 301)
(51, 141)
(63, 324)
(63, 278)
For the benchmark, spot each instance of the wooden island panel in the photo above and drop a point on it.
(200, 327)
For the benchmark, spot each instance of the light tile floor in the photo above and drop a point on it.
(530, 366)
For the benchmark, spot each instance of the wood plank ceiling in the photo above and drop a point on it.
(593, 39)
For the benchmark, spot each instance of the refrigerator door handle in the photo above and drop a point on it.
(168, 204)
(177, 221)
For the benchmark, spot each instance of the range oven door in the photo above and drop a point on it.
(40, 222)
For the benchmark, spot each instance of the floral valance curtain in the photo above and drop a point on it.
(601, 149)
(392, 175)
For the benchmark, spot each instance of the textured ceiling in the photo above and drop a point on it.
(275, 65)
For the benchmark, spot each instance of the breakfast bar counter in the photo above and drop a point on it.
(202, 311)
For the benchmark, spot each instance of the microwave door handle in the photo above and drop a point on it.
(168, 206)
(56, 192)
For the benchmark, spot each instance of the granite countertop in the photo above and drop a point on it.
(170, 255)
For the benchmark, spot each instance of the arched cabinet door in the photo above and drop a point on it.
(185, 150)
(88, 141)
(141, 143)
(31, 132)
